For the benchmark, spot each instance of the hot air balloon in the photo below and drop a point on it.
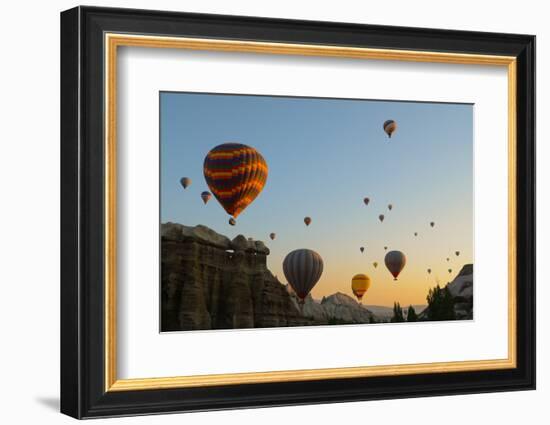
(375, 264)
(381, 217)
(450, 270)
(457, 253)
(389, 127)
(429, 271)
(206, 196)
(236, 174)
(362, 248)
(302, 269)
(185, 182)
(395, 261)
(307, 220)
(432, 223)
(272, 236)
(390, 206)
(360, 284)
(385, 248)
(232, 221)
(366, 201)
(415, 234)
(447, 258)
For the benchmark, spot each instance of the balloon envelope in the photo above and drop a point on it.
(302, 269)
(366, 201)
(389, 127)
(206, 196)
(395, 261)
(457, 253)
(307, 220)
(390, 206)
(381, 217)
(362, 249)
(375, 264)
(185, 182)
(432, 223)
(360, 283)
(429, 270)
(272, 236)
(236, 174)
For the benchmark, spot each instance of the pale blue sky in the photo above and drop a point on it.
(324, 156)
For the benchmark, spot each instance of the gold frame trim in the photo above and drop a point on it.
(113, 41)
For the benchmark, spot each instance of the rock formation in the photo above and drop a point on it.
(211, 282)
(462, 289)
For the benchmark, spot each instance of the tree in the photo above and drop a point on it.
(411, 315)
(440, 304)
(397, 313)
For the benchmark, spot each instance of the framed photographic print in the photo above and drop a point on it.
(261, 212)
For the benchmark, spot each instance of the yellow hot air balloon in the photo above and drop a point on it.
(360, 283)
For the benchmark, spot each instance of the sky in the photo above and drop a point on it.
(324, 157)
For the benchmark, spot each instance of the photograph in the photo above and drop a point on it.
(285, 211)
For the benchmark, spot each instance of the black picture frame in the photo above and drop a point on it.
(83, 392)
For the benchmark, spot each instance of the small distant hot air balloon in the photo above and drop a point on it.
(302, 269)
(360, 284)
(447, 258)
(362, 249)
(389, 127)
(185, 182)
(415, 234)
(375, 264)
(432, 223)
(457, 253)
(390, 206)
(236, 174)
(366, 201)
(232, 221)
(450, 270)
(381, 218)
(395, 261)
(429, 271)
(307, 220)
(385, 248)
(206, 196)
(272, 236)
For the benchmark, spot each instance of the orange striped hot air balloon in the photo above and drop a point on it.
(236, 174)
(360, 284)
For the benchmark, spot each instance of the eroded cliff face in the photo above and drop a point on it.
(211, 282)
(462, 289)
